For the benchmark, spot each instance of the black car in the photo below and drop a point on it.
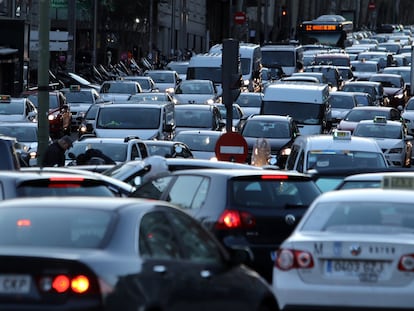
(118, 254)
(255, 209)
(279, 131)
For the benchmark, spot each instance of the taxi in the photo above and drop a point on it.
(392, 138)
(353, 249)
(338, 150)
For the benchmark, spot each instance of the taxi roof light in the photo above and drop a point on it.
(341, 135)
(380, 119)
(5, 98)
(75, 88)
(397, 182)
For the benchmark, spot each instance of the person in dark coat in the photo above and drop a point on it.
(55, 152)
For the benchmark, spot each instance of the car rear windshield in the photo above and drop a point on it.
(269, 191)
(60, 227)
(64, 187)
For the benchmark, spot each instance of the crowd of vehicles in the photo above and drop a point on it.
(281, 235)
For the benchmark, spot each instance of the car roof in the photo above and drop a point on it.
(269, 117)
(200, 132)
(245, 172)
(195, 106)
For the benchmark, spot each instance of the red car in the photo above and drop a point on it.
(59, 115)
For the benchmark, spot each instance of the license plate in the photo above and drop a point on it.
(14, 284)
(365, 271)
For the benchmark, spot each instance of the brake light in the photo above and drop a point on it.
(80, 284)
(406, 263)
(274, 177)
(63, 283)
(67, 178)
(232, 219)
(287, 259)
(23, 223)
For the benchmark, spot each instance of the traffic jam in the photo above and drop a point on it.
(287, 188)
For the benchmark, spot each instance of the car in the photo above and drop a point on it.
(79, 100)
(356, 114)
(348, 252)
(196, 91)
(147, 84)
(408, 115)
(331, 73)
(59, 112)
(394, 88)
(116, 149)
(34, 182)
(250, 102)
(257, 209)
(404, 71)
(202, 143)
(363, 99)
(17, 109)
(336, 150)
(131, 171)
(237, 116)
(391, 136)
(26, 135)
(198, 117)
(332, 58)
(119, 90)
(382, 57)
(374, 89)
(10, 157)
(168, 149)
(165, 80)
(119, 253)
(180, 67)
(341, 103)
(279, 132)
(364, 69)
(152, 96)
(87, 122)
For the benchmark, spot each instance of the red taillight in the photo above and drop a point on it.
(63, 283)
(23, 223)
(231, 219)
(406, 263)
(67, 178)
(275, 177)
(293, 259)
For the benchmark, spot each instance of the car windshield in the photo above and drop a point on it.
(198, 142)
(193, 118)
(15, 107)
(358, 115)
(79, 97)
(320, 159)
(378, 131)
(266, 129)
(53, 100)
(22, 133)
(249, 100)
(117, 152)
(60, 227)
(134, 117)
(342, 102)
(361, 217)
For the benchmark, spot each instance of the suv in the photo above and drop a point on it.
(116, 150)
(253, 209)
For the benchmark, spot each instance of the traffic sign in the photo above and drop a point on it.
(240, 17)
(231, 147)
(371, 6)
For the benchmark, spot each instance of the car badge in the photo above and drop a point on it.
(355, 250)
(290, 219)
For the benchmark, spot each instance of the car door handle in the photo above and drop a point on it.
(159, 269)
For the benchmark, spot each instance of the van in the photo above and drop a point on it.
(307, 104)
(206, 66)
(339, 150)
(251, 63)
(285, 56)
(155, 120)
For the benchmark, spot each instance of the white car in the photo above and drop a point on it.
(352, 249)
(392, 138)
(196, 92)
(408, 115)
(17, 109)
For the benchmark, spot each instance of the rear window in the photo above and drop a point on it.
(273, 193)
(64, 187)
(69, 228)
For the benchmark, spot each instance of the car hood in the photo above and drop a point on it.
(116, 133)
(275, 143)
(193, 98)
(115, 97)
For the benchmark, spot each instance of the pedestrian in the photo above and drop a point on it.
(55, 152)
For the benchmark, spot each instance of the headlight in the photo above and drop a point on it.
(399, 96)
(170, 90)
(285, 152)
(33, 155)
(82, 129)
(51, 117)
(209, 101)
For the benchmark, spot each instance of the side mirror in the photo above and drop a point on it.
(169, 127)
(89, 127)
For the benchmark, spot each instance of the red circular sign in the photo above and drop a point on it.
(231, 147)
(240, 18)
